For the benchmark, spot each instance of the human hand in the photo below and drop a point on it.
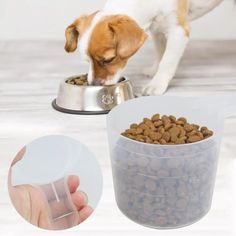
(30, 204)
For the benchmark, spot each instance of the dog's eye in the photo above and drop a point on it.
(108, 61)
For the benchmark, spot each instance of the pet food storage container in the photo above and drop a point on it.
(164, 186)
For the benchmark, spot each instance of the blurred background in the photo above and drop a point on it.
(43, 19)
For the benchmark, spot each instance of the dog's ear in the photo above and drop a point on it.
(72, 35)
(75, 30)
(128, 34)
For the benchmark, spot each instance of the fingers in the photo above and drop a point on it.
(60, 188)
(19, 156)
(66, 222)
(60, 208)
(85, 213)
(73, 183)
(79, 199)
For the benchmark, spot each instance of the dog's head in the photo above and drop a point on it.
(106, 42)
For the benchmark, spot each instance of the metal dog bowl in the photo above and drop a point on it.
(91, 100)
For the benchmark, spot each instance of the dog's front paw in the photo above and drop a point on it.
(153, 89)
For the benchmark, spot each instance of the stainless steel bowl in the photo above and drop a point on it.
(74, 99)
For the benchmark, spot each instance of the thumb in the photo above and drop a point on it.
(18, 157)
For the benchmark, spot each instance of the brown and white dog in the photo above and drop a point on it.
(108, 38)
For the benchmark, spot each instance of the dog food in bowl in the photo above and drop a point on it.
(83, 81)
(79, 81)
(167, 130)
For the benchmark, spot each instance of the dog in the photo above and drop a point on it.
(107, 39)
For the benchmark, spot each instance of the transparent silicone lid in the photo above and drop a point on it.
(61, 210)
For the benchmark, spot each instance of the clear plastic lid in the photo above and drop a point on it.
(63, 214)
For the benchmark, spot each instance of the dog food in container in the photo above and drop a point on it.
(164, 186)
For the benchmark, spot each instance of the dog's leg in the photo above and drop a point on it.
(159, 41)
(176, 43)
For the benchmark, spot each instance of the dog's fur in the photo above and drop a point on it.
(108, 38)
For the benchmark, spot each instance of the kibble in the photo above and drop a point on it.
(167, 130)
(163, 186)
(79, 81)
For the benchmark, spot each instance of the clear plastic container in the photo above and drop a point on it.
(61, 209)
(164, 186)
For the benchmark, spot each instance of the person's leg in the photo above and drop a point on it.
(176, 43)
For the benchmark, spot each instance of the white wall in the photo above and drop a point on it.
(47, 19)
(218, 24)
